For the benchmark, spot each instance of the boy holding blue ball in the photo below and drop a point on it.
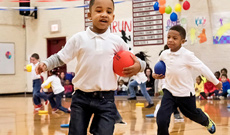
(179, 86)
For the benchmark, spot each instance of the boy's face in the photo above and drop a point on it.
(33, 60)
(198, 80)
(101, 13)
(223, 79)
(174, 40)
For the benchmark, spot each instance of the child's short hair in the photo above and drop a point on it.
(224, 69)
(179, 29)
(92, 2)
(35, 55)
(225, 75)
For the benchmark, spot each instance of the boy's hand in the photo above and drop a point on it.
(134, 69)
(40, 68)
(219, 86)
(158, 76)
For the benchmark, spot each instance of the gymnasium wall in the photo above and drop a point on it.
(33, 37)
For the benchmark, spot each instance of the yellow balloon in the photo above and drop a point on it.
(29, 68)
(47, 86)
(178, 8)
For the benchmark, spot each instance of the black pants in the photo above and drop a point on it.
(84, 104)
(187, 106)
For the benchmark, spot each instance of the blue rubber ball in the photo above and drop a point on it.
(160, 68)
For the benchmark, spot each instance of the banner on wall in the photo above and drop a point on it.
(124, 28)
(221, 28)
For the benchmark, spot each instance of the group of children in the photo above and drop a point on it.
(38, 88)
(94, 50)
(207, 90)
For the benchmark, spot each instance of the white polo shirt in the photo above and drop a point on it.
(34, 76)
(179, 67)
(94, 53)
(140, 77)
(55, 84)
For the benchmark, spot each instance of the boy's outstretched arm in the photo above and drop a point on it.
(138, 66)
(219, 86)
(48, 64)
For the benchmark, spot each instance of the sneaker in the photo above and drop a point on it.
(54, 110)
(132, 98)
(122, 122)
(69, 110)
(46, 102)
(211, 126)
(149, 105)
(177, 117)
(37, 107)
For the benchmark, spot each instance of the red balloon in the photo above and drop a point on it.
(121, 60)
(186, 5)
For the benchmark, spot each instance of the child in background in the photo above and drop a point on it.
(224, 71)
(179, 86)
(150, 81)
(122, 88)
(217, 74)
(62, 78)
(68, 89)
(58, 91)
(37, 95)
(140, 79)
(199, 86)
(226, 86)
(95, 80)
(209, 90)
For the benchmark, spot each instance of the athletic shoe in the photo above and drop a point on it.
(38, 107)
(149, 105)
(132, 98)
(54, 110)
(121, 122)
(211, 125)
(69, 110)
(178, 118)
(46, 102)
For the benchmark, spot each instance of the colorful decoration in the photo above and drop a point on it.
(178, 8)
(168, 10)
(173, 17)
(192, 33)
(162, 9)
(224, 28)
(156, 6)
(202, 36)
(186, 5)
(8, 55)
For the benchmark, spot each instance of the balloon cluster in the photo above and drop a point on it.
(160, 5)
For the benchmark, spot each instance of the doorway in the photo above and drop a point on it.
(53, 46)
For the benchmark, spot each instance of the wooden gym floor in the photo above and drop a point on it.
(17, 117)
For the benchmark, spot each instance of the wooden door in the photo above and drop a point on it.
(53, 46)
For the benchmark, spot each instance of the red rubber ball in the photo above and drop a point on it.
(121, 60)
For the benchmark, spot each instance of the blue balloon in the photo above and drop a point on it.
(173, 17)
(156, 6)
(160, 68)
